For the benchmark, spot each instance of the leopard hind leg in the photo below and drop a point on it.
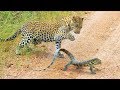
(24, 42)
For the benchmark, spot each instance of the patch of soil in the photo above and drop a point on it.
(99, 37)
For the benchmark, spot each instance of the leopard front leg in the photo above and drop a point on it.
(58, 46)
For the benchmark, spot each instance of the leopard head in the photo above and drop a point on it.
(77, 22)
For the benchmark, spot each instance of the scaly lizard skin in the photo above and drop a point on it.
(75, 62)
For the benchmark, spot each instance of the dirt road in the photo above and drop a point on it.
(99, 37)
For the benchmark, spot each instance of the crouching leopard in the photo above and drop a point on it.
(36, 32)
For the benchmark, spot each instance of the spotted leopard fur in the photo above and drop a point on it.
(36, 32)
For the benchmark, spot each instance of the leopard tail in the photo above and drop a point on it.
(12, 37)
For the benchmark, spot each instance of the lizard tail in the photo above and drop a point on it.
(68, 53)
(53, 60)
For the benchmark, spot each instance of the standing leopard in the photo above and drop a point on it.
(35, 32)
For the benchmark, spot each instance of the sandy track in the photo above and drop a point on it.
(99, 37)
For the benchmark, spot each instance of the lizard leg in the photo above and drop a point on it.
(66, 66)
(91, 69)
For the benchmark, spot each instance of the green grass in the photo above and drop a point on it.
(11, 21)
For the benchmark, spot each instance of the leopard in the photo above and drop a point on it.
(36, 32)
